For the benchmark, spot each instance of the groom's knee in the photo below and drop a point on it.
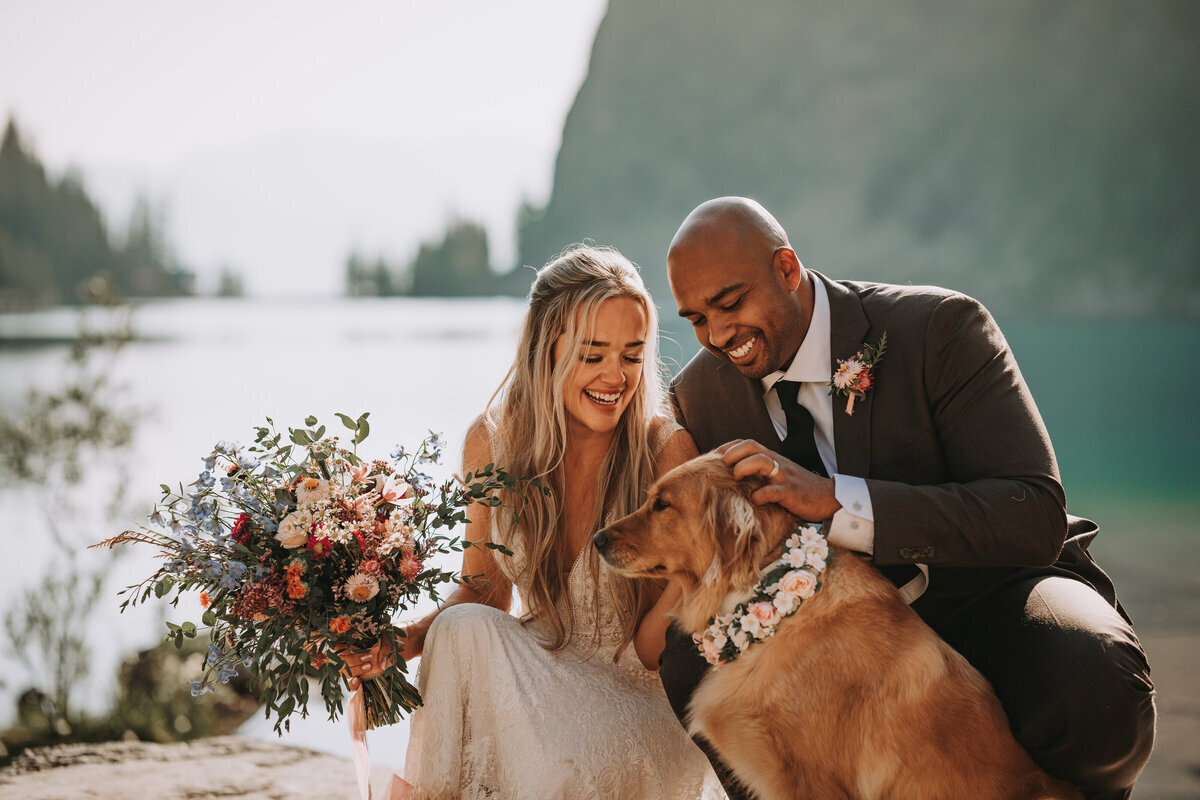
(1072, 678)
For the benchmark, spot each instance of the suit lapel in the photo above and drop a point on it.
(848, 330)
(747, 394)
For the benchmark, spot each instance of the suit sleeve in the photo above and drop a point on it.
(1004, 504)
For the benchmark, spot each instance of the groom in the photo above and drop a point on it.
(942, 470)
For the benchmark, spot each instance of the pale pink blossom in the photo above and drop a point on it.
(799, 582)
(359, 472)
(391, 490)
(765, 613)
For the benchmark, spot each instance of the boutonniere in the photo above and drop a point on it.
(855, 376)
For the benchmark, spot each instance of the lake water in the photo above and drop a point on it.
(1119, 400)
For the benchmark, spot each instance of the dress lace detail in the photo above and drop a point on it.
(506, 718)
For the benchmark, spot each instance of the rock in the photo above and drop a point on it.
(220, 767)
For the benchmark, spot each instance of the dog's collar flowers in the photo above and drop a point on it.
(793, 578)
(855, 376)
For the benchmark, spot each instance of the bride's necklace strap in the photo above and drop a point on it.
(794, 577)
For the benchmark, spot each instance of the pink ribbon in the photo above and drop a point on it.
(356, 718)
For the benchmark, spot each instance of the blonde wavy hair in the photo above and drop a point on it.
(530, 421)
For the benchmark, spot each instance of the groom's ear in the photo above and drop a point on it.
(787, 265)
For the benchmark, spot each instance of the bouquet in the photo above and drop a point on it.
(301, 548)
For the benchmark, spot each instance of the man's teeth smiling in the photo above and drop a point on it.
(744, 350)
(602, 398)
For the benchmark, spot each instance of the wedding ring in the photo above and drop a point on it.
(774, 469)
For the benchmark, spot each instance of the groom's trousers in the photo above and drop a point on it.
(1061, 655)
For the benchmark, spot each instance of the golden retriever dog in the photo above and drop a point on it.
(853, 696)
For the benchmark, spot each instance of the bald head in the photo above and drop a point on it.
(739, 283)
(730, 222)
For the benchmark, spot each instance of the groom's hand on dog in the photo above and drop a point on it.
(806, 494)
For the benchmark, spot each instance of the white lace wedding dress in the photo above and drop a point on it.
(506, 718)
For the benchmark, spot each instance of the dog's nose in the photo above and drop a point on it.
(600, 539)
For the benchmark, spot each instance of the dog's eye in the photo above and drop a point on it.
(660, 504)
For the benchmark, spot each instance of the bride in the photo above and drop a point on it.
(563, 702)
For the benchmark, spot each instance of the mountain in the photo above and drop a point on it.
(53, 238)
(1038, 155)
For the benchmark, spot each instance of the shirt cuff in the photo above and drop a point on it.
(853, 526)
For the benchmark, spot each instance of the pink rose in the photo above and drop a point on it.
(766, 613)
(712, 653)
(799, 582)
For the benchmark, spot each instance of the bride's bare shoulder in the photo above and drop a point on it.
(477, 444)
(672, 444)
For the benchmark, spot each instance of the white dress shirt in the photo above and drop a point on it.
(853, 526)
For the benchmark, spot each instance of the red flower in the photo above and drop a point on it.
(205, 600)
(241, 532)
(864, 380)
(339, 625)
(320, 548)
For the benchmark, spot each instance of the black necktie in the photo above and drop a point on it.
(798, 445)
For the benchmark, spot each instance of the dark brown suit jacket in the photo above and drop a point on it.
(958, 463)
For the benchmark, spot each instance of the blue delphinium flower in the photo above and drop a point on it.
(399, 453)
(199, 687)
(214, 654)
(226, 674)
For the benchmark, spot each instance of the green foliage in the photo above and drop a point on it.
(85, 416)
(53, 238)
(456, 266)
(48, 627)
(48, 448)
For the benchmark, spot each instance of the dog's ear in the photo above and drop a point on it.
(732, 521)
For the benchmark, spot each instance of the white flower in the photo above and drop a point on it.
(794, 557)
(360, 588)
(815, 555)
(811, 535)
(847, 373)
(294, 529)
(719, 638)
(312, 490)
(750, 625)
(785, 602)
(792, 541)
(740, 640)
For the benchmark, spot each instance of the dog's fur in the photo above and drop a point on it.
(854, 696)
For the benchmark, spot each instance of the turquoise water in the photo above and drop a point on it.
(1122, 403)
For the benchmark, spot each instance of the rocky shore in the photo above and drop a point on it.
(221, 767)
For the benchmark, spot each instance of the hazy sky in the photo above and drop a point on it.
(152, 81)
(279, 134)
